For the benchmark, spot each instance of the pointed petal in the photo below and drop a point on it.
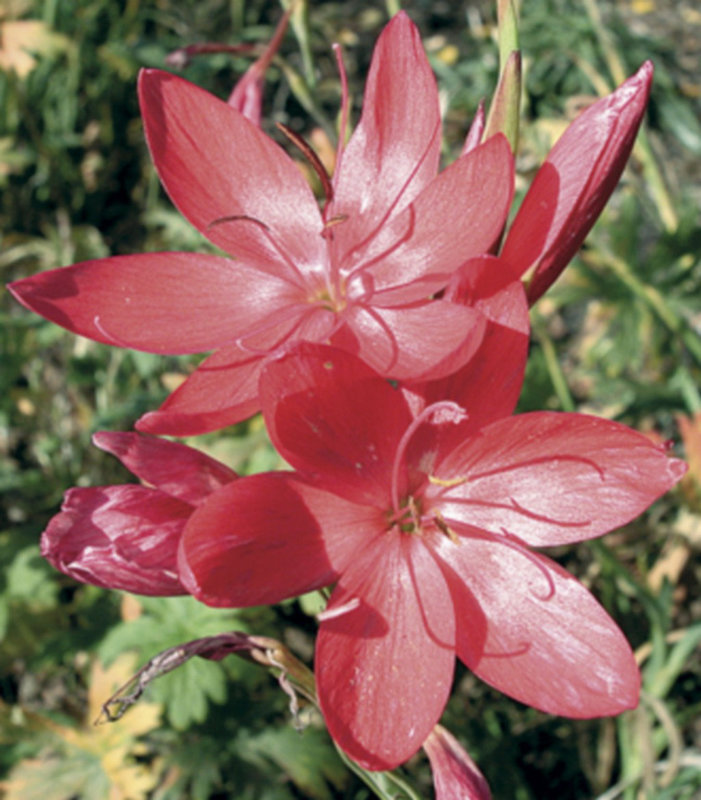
(118, 537)
(175, 469)
(474, 135)
(489, 384)
(551, 478)
(549, 644)
(384, 666)
(331, 416)
(158, 302)
(222, 391)
(216, 165)
(573, 185)
(416, 342)
(394, 151)
(455, 774)
(459, 215)
(268, 537)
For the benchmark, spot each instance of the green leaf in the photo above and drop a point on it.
(307, 757)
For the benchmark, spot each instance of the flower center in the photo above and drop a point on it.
(408, 518)
(330, 297)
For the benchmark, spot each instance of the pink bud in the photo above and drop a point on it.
(573, 185)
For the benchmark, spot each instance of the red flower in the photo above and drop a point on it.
(358, 274)
(429, 539)
(572, 187)
(126, 537)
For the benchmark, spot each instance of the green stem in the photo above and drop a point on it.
(383, 784)
(557, 376)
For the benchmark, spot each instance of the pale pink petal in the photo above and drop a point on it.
(551, 478)
(175, 469)
(549, 644)
(333, 417)
(455, 774)
(384, 667)
(573, 185)
(158, 302)
(458, 216)
(416, 342)
(118, 537)
(222, 391)
(394, 150)
(264, 538)
(228, 178)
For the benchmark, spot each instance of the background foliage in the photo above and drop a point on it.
(617, 336)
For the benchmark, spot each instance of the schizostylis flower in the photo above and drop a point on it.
(429, 539)
(360, 273)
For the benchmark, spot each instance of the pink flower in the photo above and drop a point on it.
(426, 524)
(359, 274)
(571, 188)
(126, 537)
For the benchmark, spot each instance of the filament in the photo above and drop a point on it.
(302, 282)
(455, 415)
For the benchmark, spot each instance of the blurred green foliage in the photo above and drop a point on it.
(618, 336)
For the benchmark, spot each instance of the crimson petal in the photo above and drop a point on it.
(157, 302)
(222, 391)
(175, 469)
(268, 537)
(424, 341)
(458, 216)
(489, 384)
(394, 150)
(118, 537)
(333, 417)
(549, 644)
(553, 478)
(385, 654)
(233, 183)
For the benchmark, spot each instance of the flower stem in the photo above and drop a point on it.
(557, 376)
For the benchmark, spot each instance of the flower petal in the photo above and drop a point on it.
(118, 537)
(415, 342)
(230, 180)
(551, 478)
(158, 302)
(489, 384)
(458, 216)
(264, 538)
(455, 774)
(573, 185)
(333, 417)
(394, 150)
(549, 643)
(175, 469)
(222, 391)
(384, 667)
